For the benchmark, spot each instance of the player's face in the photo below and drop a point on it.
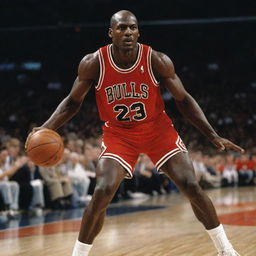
(125, 33)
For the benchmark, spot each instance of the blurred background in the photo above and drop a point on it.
(212, 44)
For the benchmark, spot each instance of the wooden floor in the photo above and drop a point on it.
(172, 231)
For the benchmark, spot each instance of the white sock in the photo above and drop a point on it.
(81, 249)
(219, 238)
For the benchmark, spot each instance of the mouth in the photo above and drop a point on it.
(128, 41)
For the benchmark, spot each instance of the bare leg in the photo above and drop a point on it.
(109, 176)
(180, 169)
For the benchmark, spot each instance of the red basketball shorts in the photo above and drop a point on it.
(158, 139)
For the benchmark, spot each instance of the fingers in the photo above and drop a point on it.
(219, 145)
(235, 147)
(223, 144)
(30, 134)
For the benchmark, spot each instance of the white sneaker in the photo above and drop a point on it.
(230, 252)
(13, 213)
(37, 211)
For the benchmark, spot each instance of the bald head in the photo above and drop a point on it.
(124, 30)
(122, 15)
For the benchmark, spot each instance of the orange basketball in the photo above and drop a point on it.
(45, 147)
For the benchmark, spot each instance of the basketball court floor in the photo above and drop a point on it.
(157, 226)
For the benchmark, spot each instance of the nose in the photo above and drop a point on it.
(128, 31)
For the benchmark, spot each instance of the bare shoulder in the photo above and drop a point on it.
(89, 67)
(162, 65)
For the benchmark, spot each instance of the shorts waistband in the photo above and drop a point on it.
(136, 126)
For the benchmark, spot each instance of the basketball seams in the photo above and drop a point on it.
(46, 143)
(51, 157)
(60, 145)
(52, 138)
(47, 135)
(46, 147)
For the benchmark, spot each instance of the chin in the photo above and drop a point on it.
(129, 47)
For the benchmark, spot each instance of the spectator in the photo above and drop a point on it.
(89, 161)
(148, 178)
(252, 166)
(205, 172)
(79, 178)
(36, 181)
(59, 187)
(9, 189)
(230, 174)
(22, 175)
(244, 171)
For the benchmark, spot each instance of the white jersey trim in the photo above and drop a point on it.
(180, 148)
(103, 149)
(163, 159)
(122, 70)
(102, 70)
(121, 161)
(181, 145)
(150, 71)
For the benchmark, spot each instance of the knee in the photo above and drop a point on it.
(105, 190)
(101, 197)
(192, 188)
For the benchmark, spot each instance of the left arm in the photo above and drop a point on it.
(164, 71)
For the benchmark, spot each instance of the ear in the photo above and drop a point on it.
(110, 32)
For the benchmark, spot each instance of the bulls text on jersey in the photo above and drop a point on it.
(121, 91)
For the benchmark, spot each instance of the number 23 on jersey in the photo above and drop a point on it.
(135, 112)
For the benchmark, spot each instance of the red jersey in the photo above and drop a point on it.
(127, 97)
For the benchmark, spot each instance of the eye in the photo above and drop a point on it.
(122, 27)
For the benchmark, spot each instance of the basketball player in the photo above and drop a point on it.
(127, 77)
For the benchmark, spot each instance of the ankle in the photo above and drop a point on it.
(81, 249)
(220, 239)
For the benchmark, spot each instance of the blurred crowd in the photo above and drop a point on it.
(215, 61)
(33, 12)
(70, 183)
(220, 77)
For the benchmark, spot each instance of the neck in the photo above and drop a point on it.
(124, 58)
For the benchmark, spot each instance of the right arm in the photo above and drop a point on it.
(88, 72)
(164, 70)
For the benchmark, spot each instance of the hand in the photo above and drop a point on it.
(221, 144)
(35, 129)
(20, 162)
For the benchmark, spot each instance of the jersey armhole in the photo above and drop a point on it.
(102, 70)
(150, 71)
